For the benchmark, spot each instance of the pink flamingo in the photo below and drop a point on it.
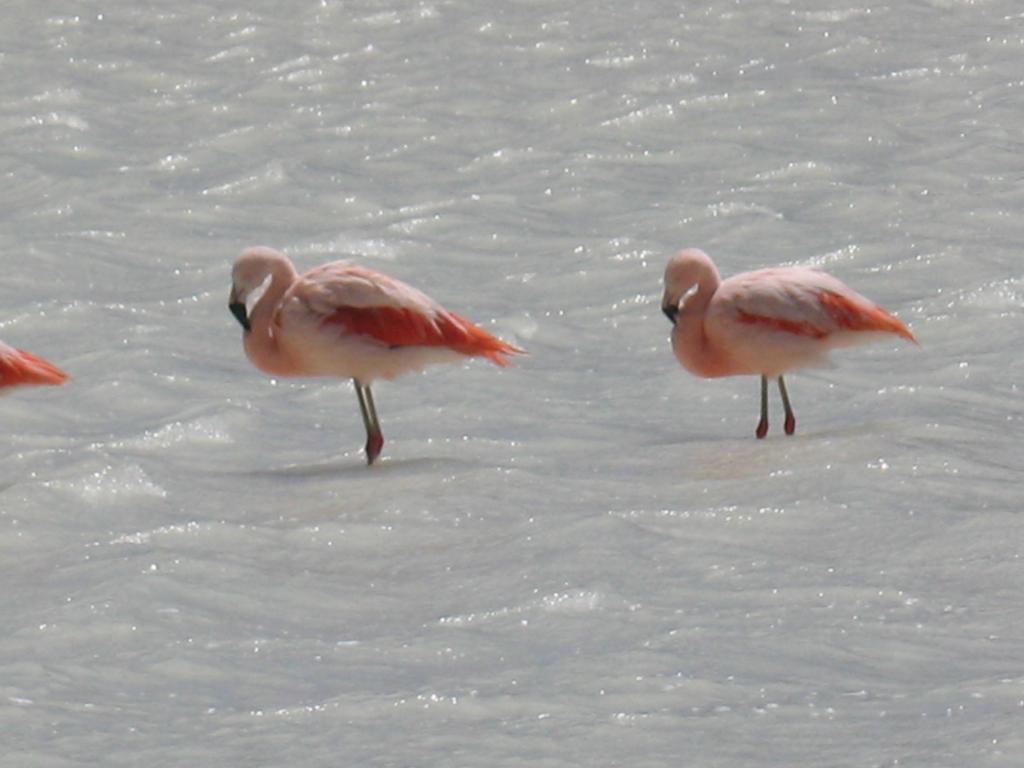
(765, 322)
(340, 319)
(18, 368)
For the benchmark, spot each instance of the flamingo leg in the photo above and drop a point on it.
(790, 418)
(374, 437)
(762, 425)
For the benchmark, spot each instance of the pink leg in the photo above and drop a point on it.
(374, 437)
(790, 417)
(762, 425)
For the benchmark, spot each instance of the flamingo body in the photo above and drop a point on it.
(764, 322)
(20, 368)
(344, 320)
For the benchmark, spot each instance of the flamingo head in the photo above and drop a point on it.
(251, 276)
(687, 272)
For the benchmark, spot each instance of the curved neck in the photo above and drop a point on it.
(261, 344)
(689, 340)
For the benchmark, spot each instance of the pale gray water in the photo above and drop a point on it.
(583, 560)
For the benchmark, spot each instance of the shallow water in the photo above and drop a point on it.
(582, 560)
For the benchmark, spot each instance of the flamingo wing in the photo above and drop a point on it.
(803, 303)
(365, 303)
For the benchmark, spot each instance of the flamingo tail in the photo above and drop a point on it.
(19, 367)
(856, 316)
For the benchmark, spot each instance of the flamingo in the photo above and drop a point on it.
(18, 368)
(765, 322)
(344, 320)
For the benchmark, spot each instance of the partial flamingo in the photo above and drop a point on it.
(20, 368)
(765, 322)
(344, 320)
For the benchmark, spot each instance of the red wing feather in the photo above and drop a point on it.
(403, 327)
(847, 314)
(796, 327)
(854, 316)
(19, 367)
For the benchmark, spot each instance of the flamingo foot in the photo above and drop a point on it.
(762, 429)
(790, 424)
(374, 444)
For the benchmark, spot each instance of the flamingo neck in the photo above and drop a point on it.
(690, 342)
(262, 344)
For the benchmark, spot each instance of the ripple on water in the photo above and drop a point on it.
(1003, 296)
(570, 601)
(146, 537)
(111, 484)
(208, 431)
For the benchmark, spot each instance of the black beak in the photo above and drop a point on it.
(670, 313)
(238, 310)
